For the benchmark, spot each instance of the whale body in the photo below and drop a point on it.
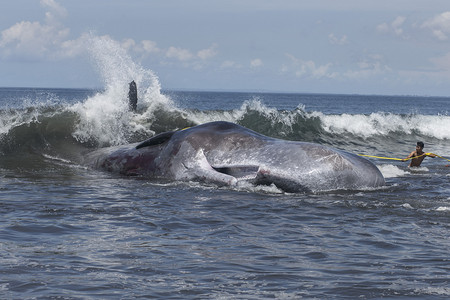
(225, 153)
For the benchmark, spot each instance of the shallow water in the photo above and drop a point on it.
(70, 232)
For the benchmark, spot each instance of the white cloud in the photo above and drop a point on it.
(337, 41)
(395, 27)
(370, 66)
(383, 28)
(228, 64)
(439, 26)
(49, 39)
(196, 61)
(73, 48)
(185, 55)
(56, 11)
(149, 46)
(143, 47)
(308, 68)
(255, 63)
(207, 53)
(179, 54)
(33, 39)
(442, 62)
(128, 44)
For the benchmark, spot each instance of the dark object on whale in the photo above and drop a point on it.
(132, 96)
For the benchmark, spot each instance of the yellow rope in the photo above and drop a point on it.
(381, 157)
(439, 156)
(392, 158)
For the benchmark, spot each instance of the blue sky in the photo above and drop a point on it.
(324, 46)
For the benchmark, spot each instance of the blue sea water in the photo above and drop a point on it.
(68, 231)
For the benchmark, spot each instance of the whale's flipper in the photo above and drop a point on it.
(200, 169)
(212, 176)
(156, 140)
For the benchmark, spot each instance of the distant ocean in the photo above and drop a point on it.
(71, 232)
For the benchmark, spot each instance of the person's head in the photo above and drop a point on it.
(420, 145)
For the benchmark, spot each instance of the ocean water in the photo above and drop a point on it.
(68, 231)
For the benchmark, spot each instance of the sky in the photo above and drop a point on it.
(383, 47)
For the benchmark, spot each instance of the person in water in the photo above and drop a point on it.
(132, 96)
(418, 155)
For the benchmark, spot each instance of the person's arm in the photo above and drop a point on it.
(431, 155)
(409, 156)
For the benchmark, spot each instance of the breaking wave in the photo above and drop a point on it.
(102, 118)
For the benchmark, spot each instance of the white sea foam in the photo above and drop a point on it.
(271, 114)
(434, 290)
(105, 117)
(266, 189)
(418, 170)
(391, 171)
(13, 118)
(362, 125)
(407, 205)
(57, 159)
(386, 123)
(27, 112)
(443, 208)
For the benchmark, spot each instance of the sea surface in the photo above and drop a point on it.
(68, 231)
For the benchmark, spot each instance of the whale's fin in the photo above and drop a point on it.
(156, 140)
(132, 96)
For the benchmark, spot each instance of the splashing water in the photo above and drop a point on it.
(391, 171)
(104, 119)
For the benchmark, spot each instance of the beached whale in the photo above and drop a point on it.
(225, 153)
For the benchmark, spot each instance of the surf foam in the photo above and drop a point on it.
(391, 171)
(386, 123)
(105, 118)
